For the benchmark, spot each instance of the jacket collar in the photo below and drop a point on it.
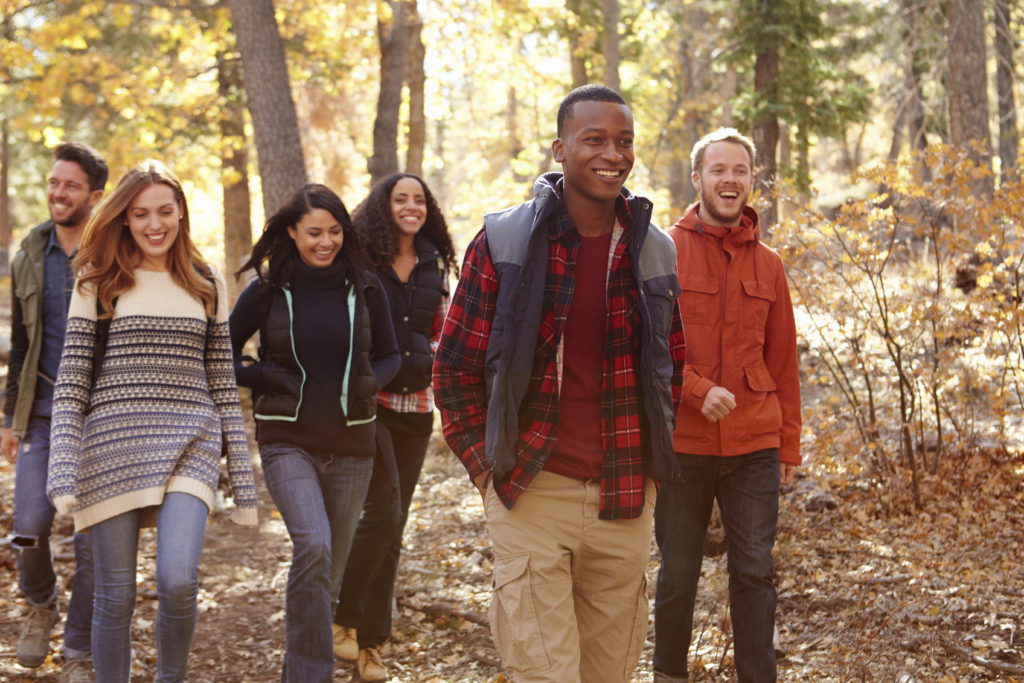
(749, 230)
(425, 249)
(38, 237)
(547, 190)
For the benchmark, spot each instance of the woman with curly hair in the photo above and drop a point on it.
(406, 237)
(326, 345)
(144, 405)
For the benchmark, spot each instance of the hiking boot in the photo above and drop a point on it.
(78, 670)
(34, 641)
(345, 644)
(371, 668)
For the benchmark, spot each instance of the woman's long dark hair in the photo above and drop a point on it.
(379, 234)
(276, 247)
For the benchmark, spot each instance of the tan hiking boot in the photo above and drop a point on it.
(345, 644)
(77, 670)
(371, 668)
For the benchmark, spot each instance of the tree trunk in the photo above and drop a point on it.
(897, 129)
(766, 137)
(803, 163)
(730, 86)
(577, 60)
(234, 173)
(275, 125)
(610, 44)
(966, 84)
(515, 144)
(1008, 140)
(438, 188)
(393, 38)
(417, 84)
(5, 203)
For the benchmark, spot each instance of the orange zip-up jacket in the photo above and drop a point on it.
(740, 335)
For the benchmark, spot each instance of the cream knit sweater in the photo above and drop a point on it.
(165, 398)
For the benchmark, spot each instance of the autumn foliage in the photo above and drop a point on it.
(909, 305)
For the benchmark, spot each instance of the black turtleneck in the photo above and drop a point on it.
(321, 333)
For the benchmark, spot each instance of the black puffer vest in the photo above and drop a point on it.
(277, 349)
(413, 307)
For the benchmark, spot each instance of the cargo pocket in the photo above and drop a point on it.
(639, 632)
(514, 623)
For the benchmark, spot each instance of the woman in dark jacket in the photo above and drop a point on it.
(407, 241)
(326, 345)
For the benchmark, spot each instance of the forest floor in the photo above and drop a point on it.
(868, 591)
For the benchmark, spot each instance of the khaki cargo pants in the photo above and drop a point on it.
(570, 592)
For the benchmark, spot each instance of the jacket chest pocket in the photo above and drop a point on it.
(757, 301)
(27, 293)
(661, 298)
(698, 302)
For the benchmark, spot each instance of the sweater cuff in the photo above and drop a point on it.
(64, 504)
(244, 516)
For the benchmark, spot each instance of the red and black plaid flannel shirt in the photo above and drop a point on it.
(459, 376)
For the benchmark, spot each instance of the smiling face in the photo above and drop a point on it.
(723, 183)
(68, 195)
(596, 151)
(408, 206)
(153, 218)
(318, 236)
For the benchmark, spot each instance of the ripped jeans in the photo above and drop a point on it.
(33, 520)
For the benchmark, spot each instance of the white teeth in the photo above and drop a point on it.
(608, 174)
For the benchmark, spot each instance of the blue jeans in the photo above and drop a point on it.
(33, 520)
(747, 489)
(180, 525)
(366, 592)
(319, 497)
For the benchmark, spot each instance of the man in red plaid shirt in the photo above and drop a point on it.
(558, 376)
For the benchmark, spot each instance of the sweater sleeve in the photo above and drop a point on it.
(220, 376)
(71, 398)
(244, 323)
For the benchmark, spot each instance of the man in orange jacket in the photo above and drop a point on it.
(738, 433)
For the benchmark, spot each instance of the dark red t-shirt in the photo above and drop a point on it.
(579, 450)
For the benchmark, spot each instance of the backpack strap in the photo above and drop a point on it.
(99, 347)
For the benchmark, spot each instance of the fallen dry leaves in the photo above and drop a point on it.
(868, 590)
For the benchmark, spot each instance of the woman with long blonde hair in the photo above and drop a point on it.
(144, 406)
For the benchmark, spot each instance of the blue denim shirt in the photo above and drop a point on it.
(58, 281)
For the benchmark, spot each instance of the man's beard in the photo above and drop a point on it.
(79, 215)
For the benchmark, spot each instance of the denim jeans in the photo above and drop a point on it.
(180, 526)
(747, 489)
(319, 497)
(33, 520)
(366, 592)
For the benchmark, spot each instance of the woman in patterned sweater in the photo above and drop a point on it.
(140, 445)
(326, 345)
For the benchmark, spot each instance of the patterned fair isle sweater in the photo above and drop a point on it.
(160, 406)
